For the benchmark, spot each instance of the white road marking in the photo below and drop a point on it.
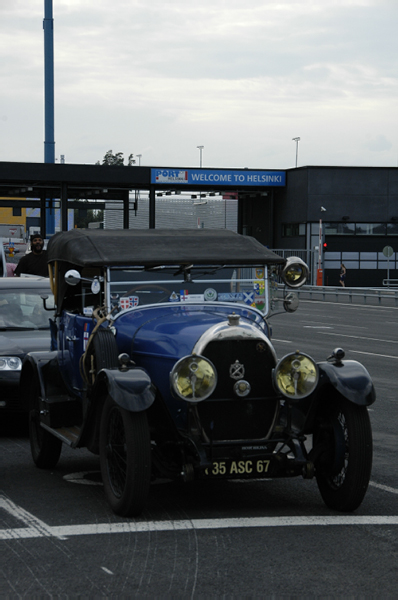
(373, 354)
(317, 327)
(66, 531)
(107, 571)
(359, 337)
(36, 527)
(385, 488)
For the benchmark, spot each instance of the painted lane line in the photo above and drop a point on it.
(359, 337)
(385, 488)
(34, 526)
(373, 354)
(64, 532)
(107, 571)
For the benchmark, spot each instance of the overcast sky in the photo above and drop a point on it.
(242, 78)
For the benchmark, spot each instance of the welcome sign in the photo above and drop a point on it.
(218, 177)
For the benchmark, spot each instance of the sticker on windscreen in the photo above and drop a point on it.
(210, 295)
(185, 296)
(230, 297)
(128, 302)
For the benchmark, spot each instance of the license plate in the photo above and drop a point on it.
(255, 467)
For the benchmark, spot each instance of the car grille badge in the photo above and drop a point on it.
(237, 370)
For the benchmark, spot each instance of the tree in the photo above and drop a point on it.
(116, 159)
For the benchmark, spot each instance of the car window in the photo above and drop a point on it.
(23, 309)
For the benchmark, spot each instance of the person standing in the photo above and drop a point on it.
(343, 272)
(34, 263)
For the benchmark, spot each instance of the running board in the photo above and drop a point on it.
(69, 435)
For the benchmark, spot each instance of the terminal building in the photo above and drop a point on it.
(330, 214)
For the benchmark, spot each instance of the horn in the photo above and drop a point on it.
(295, 272)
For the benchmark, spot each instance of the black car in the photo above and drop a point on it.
(163, 364)
(24, 326)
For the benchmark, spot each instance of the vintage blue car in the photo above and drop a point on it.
(162, 363)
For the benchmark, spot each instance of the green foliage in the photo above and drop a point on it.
(116, 159)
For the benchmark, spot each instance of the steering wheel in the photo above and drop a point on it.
(151, 288)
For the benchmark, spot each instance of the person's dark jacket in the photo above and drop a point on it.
(33, 264)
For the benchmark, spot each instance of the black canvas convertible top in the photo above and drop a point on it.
(150, 247)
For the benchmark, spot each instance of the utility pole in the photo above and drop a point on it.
(49, 142)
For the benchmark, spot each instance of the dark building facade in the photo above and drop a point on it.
(358, 211)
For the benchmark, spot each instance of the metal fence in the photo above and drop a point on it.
(369, 296)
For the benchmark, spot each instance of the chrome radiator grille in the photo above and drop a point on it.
(225, 416)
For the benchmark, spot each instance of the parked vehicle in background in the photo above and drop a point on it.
(24, 326)
(163, 365)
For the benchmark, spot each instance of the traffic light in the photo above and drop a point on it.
(325, 245)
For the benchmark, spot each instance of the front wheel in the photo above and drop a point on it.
(125, 458)
(343, 438)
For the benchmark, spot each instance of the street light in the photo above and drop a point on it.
(319, 274)
(200, 150)
(139, 159)
(296, 139)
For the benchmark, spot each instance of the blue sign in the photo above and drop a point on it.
(218, 177)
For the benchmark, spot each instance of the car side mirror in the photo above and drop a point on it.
(290, 302)
(72, 277)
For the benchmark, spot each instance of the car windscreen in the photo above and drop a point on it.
(23, 309)
(188, 284)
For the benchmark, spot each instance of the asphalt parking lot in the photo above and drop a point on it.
(270, 538)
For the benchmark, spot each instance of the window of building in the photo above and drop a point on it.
(293, 229)
(370, 229)
(16, 211)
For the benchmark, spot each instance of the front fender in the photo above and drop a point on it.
(351, 379)
(131, 389)
(34, 363)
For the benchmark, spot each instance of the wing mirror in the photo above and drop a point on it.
(73, 277)
(290, 302)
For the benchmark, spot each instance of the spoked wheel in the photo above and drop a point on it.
(344, 437)
(45, 447)
(125, 457)
(102, 354)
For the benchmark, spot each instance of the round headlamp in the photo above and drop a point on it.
(10, 363)
(295, 272)
(296, 376)
(193, 378)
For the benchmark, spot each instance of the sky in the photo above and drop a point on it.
(242, 79)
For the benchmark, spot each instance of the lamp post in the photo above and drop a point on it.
(139, 159)
(296, 139)
(200, 148)
(319, 275)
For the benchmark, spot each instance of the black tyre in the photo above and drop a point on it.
(102, 354)
(45, 447)
(344, 438)
(125, 457)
